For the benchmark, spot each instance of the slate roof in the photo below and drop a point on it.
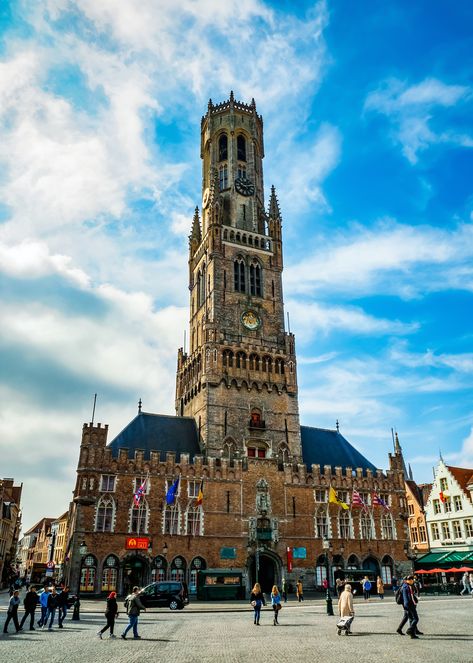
(158, 432)
(328, 447)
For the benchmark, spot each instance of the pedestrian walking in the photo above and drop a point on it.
(111, 613)
(134, 607)
(257, 601)
(465, 581)
(300, 590)
(63, 598)
(30, 602)
(409, 603)
(53, 603)
(43, 601)
(12, 611)
(276, 603)
(394, 584)
(284, 590)
(470, 579)
(345, 605)
(366, 586)
(380, 587)
(339, 584)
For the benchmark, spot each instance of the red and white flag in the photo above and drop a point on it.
(357, 501)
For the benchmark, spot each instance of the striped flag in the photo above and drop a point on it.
(377, 501)
(140, 492)
(200, 496)
(356, 500)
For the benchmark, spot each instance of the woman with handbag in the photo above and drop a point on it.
(111, 613)
(257, 601)
(276, 603)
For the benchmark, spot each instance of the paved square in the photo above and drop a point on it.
(306, 633)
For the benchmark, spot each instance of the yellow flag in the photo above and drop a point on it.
(332, 497)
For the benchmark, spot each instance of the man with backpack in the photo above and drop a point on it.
(405, 596)
(133, 608)
(366, 585)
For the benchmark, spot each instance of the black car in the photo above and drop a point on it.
(166, 594)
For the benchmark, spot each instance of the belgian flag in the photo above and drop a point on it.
(200, 495)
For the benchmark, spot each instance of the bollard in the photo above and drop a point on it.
(75, 615)
(328, 600)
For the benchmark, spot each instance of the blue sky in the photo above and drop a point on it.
(369, 142)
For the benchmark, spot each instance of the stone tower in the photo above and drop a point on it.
(239, 379)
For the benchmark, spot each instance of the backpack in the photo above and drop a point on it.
(126, 604)
(399, 597)
(367, 586)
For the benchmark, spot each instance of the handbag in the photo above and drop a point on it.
(253, 603)
(278, 606)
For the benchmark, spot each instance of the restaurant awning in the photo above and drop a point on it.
(445, 559)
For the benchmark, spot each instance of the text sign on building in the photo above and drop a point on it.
(227, 553)
(137, 543)
(299, 553)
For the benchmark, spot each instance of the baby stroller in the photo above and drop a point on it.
(344, 624)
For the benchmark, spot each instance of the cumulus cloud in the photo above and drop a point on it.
(413, 109)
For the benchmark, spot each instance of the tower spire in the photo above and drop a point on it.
(196, 233)
(273, 210)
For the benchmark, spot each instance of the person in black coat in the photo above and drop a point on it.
(53, 602)
(12, 611)
(257, 601)
(62, 605)
(409, 602)
(111, 613)
(30, 602)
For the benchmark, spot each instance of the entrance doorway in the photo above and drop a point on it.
(135, 573)
(267, 573)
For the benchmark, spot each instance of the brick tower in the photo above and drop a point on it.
(238, 379)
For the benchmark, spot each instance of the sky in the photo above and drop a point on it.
(367, 113)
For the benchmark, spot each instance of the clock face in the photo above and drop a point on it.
(251, 320)
(244, 186)
(206, 198)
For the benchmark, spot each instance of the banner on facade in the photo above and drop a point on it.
(289, 559)
(227, 553)
(299, 553)
(137, 543)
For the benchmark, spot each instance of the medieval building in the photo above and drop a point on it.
(253, 490)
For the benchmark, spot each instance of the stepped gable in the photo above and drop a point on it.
(463, 476)
(321, 446)
(158, 432)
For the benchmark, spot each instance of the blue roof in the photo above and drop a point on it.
(158, 432)
(328, 447)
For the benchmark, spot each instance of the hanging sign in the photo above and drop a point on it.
(289, 559)
(136, 543)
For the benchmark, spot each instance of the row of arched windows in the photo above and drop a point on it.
(367, 529)
(223, 147)
(252, 284)
(254, 362)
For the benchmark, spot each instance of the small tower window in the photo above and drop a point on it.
(241, 171)
(239, 276)
(223, 177)
(241, 148)
(223, 147)
(255, 280)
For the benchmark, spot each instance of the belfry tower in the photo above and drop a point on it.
(239, 378)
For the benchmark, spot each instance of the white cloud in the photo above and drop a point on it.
(412, 110)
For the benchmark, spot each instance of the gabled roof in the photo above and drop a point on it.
(39, 525)
(415, 491)
(321, 446)
(462, 475)
(158, 432)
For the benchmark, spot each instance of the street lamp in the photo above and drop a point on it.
(82, 553)
(327, 546)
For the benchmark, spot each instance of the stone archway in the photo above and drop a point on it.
(135, 572)
(264, 567)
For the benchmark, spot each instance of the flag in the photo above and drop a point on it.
(172, 490)
(200, 495)
(356, 500)
(140, 492)
(377, 501)
(333, 497)
(442, 496)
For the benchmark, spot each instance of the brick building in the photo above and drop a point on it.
(10, 525)
(266, 478)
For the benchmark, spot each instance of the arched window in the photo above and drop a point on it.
(267, 364)
(105, 514)
(171, 518)
(387, 566)
(254, 362)
(223, 147)
(197, 564)
(110, 574)
(255, 279)
(87, 573)
(387, 528)
(344, 525)
(178, 569)
(194, 521)
(159, 570)
(223, 177)
(239, 275)
(202, 286)
(353, 562)
(320, 570)
(228, 358)
(241, 148)
(139, 518)
(366, 526)
(241, 360)
(255, 418)
(321, 523)
(279, 365)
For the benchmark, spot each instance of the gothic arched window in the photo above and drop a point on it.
(241, 360)
(139, 518)
(223, 147)
(344, 525)
(255, 279)
(228, 358)
(321, 523)
(387, 528)
(239, 275)
(267, 364)
(105, 515)
(241, 148)
(279, 365)
(366, 526)
(223, 177)
(254, 362)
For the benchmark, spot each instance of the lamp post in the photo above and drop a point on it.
(51, 535)
(165, 553)
(76, 612)
(327, 546)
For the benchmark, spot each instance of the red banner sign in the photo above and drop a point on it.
(137, 543)
(289, 559)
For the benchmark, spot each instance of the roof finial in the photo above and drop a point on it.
(397, 446)
(274, 212)
(411, 476)
(139, 406)
(232, 98)
(440, 455)
(338, 426)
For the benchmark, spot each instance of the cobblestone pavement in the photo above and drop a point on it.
(306, 633)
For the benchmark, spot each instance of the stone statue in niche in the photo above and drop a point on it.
(263, 501)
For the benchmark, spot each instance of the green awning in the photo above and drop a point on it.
(446, 558)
